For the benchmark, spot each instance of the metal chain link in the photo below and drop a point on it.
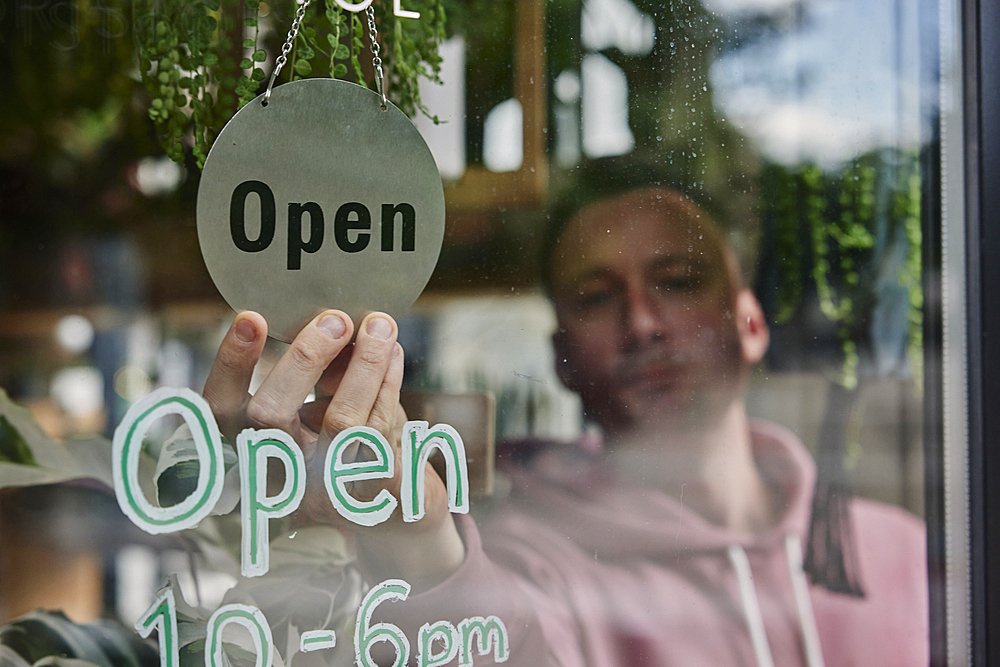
(376, 60)
(286, 48)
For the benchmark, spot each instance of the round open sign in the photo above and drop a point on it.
(320, 200)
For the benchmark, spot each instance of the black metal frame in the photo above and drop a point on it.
(981, 62)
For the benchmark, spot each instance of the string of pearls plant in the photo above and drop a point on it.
(202, 61)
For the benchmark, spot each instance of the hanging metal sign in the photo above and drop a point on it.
(320, 194)
(319, 200)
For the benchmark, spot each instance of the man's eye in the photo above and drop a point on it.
(593, 298)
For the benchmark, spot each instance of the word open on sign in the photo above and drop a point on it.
(257, 449)
(352, 224)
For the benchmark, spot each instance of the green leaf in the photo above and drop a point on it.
(13, 447)
(177, 467)
(177, 483)
(249, 44)
(257, 74)
(121, 646)
(259, 55)
(358, 72)
(210, 59)
(250, 23)
(55, 635)
(303, 68)
(340, 71)
(306, 52)
(246, 63)
(342, 52)
(32, 640)
(11, 658)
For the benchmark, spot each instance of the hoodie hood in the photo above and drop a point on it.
(568, 488)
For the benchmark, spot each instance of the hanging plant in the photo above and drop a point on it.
(833, 232)
(202, 61)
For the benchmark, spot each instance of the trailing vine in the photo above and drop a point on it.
(832, 232)
(197, 77)
(907, 207)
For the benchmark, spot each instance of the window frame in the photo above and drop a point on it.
(981, 55)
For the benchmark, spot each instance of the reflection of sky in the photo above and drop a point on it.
(841, 82)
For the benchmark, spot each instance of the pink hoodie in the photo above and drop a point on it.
(585, 572)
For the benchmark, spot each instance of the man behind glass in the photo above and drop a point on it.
(674, 539)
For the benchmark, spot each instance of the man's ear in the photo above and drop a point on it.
(559, 348)
(751, 326)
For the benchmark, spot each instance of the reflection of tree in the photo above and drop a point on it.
(846, 243)
(69, 126)
(68, 83)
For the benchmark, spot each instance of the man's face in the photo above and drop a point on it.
(645, 301)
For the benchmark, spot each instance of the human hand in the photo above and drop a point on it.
(356, 384)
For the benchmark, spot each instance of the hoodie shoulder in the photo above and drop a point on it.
(892, 543)
(891, 623)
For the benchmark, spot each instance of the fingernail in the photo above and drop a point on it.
(333, 326)
(245, 331)
(379, 327)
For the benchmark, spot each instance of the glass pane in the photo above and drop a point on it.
(668, 395)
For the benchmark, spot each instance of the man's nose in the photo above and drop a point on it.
(642, 320)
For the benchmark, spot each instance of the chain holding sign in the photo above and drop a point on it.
(320, 194)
